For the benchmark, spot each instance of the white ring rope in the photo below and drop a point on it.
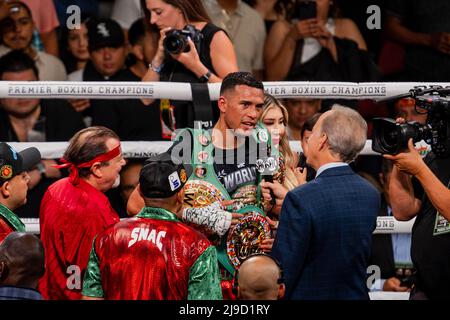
(385, 225)
(182, 91)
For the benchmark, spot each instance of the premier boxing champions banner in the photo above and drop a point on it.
(182, 91)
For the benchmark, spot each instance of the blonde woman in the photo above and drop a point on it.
(275, 118)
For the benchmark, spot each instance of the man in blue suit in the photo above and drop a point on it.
(325, 231)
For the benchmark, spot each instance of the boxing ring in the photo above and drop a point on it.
(182, 91)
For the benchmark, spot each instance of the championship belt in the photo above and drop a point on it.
(246, 236)
(203, 188)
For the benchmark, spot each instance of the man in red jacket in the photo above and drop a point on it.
(154, 256)
(74, 210)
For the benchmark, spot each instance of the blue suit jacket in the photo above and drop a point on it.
(325, 234)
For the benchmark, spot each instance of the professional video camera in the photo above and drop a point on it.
(391, 137)
(176, 40)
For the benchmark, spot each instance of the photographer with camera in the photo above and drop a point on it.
(191, 49)
(425, 195)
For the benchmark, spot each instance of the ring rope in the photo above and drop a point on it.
(182, 91)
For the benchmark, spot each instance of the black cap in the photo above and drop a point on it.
(12, 162)
(105, 33)
(162, 178)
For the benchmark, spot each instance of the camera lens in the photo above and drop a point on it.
(173, 44)
(385, 136)
(389, 139)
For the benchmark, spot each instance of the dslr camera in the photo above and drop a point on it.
(390, 137)
(176, 40)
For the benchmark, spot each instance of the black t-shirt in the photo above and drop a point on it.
(234, 172)
(431, 253)
(235, 168)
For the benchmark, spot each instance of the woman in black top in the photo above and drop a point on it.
(207, 61)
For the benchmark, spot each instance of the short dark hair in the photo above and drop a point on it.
(136, 32)
(310, 123)
(240, 78)
(17, 61)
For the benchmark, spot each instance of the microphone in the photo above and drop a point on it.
(267, 169)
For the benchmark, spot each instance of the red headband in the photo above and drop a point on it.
(73, 168)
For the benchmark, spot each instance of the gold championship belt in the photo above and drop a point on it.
(201, 193)
(246, 236)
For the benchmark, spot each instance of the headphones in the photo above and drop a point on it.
(280, 279)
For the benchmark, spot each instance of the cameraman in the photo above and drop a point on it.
(209, 59)
(426, 196)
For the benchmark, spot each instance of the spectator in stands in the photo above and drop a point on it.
(17, 32)
(108, 52)
(14, 181)
(300, 110)
(74, 46)
(143, 43)
(305, 134)
(183, 262)
(391, 252)
(21, 266)
(259, 277)
(74, 210)
(213, 62)
(270, 10)
(130, 119)
(319, 47)
(424, 29)
(246, 30)
(129, 178)
(125, 12)
(34, 120)
(46, 22)
(107, 60)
